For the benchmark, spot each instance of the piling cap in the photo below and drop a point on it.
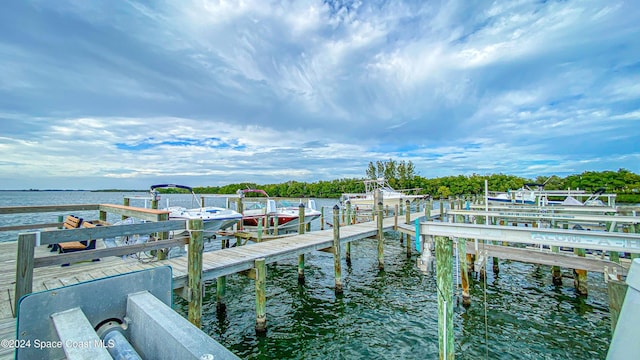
(336, 207)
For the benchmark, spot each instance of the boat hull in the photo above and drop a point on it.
(214, 219)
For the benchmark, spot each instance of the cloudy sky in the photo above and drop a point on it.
(123, 94)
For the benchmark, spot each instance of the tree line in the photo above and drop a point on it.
(401, 175)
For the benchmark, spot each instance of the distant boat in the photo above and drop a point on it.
(390, 196)
(535, 194)
(286, 211)
(214, 218)
(524, 195)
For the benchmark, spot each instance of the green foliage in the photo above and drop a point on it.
(401, 175)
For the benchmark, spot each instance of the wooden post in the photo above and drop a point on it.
(259, 231)
(377, 199)
(464, 274)
(301, 231)
(352, 221)
(196, 246)
(127, 202)
(395, 222)
(275, 224)
(261, 296)
(441, 209)
(496, 264)
(556, 272)
(322, 217)
(613, 255)
(221, 292)
(162, 253)
(267, 221)
(24, 267)
(444, 283)
(632, 230)
(380, 238)
(336, 251)
(241, 211)
(427, 210)
(408, 222)
(580, 275)
(349, 213)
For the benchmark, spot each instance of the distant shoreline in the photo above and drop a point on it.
(104, 190)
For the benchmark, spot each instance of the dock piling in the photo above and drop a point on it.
(464, 274)
(444, 266)
(221, 292)
(408, 222)
(301, 231)
(336, 252)
(380, 238)
(261, 296)
(196, 246)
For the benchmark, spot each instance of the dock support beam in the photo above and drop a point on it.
(444, 266)
(301, 231)
(261, 296)
(336, 250)
(380, 238)
(196, 246)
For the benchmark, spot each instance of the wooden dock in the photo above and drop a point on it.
(214, 264)
(227, 261)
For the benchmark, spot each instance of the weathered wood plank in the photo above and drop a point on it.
(106, 252)
(46, 208)
(100, 232)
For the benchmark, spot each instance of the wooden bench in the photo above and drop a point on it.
(72, 222)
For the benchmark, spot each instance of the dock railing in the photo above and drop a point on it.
(27, 242)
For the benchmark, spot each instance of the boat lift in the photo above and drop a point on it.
(125, 316)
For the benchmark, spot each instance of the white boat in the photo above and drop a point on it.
(524, 195)
(535, 194)
(214, 218)
(286, 212)
(390, 196)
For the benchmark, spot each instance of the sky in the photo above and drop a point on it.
(125, 94)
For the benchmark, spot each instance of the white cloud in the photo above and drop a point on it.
(313, 89)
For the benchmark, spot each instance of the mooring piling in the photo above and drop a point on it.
(336, 251)
(380, 237)
(261, 295)
(301, 231)
(407, 221)
(196, 246)
(444, 284)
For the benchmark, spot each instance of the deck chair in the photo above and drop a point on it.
(70, 222)
(71, 246)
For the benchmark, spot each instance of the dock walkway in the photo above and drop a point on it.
(215, 264)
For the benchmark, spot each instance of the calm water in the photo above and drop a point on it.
(386, 315)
